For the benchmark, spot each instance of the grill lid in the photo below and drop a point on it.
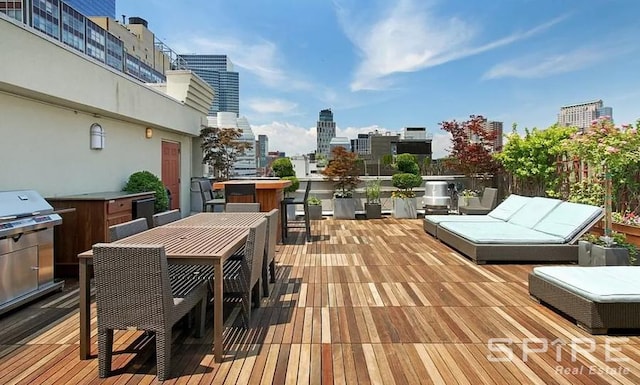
(22, 203)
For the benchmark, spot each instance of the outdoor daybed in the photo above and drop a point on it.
(502, 212)
(599, 298)
(543, 230)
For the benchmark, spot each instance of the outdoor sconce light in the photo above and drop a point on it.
(148, 133)
(96, 137)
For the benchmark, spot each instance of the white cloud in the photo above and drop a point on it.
(441, 144)
(261, 58)
(410, 37)
(539, 66)
(287, 137)
(268, 106)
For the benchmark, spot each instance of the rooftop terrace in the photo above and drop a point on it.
(367, 302)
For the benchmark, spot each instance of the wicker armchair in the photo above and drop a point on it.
(121, 270)
(242, 208)
(126, 229)
(166, 217)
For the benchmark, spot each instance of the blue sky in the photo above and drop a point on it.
(387, 64)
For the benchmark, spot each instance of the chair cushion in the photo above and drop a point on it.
(499, 233)
(533, 211)
(596, 283)
(568, 220)
(508, 207)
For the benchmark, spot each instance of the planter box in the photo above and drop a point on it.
(405, 208)
(344, 208)
(373, 210)
(315, 212)
(632, 232)
(596, 255)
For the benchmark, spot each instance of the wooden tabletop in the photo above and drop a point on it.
(218, 220)
(190, 242)
(261, 184)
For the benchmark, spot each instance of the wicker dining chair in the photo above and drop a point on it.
(242, 277)
(123, 230)
(165, 217)
(133, 290)
(242, 208)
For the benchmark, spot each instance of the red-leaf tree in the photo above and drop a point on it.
(472, 146)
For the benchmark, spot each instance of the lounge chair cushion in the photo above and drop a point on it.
(499, 233)
(600, 284)
(436, 219)
(568, 219)
(509, 207)
(532, 212)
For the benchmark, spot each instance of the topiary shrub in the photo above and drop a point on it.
(143, 181)
(295, 183)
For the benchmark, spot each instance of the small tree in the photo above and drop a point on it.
(472, 147)
(343, 171)
(532, 160)
(282, 167)
(221, 148)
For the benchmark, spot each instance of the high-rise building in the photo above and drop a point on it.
(325, 131)
(245, 165)
(582, 114)
(497, 129)
(218, 72)
(94, 8)
(262, 150)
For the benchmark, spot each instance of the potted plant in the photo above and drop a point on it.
(613, 250)
(315, 208)
(373, 208)
(465, 196)
(404, 202)
(343, 171)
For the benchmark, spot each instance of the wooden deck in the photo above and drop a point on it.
(367, 302)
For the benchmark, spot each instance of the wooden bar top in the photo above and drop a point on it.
(261, 184)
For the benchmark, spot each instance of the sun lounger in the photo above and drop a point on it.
(597, 298)
(543, 230)
(502, 212)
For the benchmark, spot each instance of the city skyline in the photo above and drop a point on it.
(409, 63)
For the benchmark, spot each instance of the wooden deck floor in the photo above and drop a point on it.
(367, 302)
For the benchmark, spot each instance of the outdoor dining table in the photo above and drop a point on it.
(204, 238)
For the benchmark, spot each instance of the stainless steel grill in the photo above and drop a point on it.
(436, 199)
(26, 248)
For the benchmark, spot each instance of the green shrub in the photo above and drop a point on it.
(405, 183)
(407, 163)
(373, 191)
(143, 181)
(314, 201)
(295, 183)
(282, 167)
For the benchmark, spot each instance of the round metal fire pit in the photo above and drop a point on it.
(436, 194)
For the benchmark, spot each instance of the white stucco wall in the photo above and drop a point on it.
(50, 96)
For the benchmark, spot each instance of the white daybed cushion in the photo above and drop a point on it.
(568, 219)
(499, 232)
(596, 283)
(509, 207)
(532, 212)
(437, 219)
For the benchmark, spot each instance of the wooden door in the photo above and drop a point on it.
(171, 171)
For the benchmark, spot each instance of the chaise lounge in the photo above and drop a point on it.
(502, 212)
(598, 298)
(543, 230)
